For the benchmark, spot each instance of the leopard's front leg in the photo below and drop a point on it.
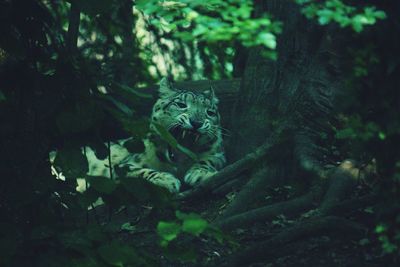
(204, 169)
(199, 173)
(163, 179)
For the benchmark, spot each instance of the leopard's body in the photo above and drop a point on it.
(193, 119)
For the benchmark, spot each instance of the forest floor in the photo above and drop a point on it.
(323, 250)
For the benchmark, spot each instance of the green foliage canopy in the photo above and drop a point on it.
(213, 21)
(343, 14)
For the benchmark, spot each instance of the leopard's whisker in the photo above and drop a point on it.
(222, 129)
(212, 134)
(172, 126)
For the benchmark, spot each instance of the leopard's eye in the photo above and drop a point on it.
(211, 113)
(181, 105)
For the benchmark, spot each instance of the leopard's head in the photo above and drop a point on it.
(191, 117)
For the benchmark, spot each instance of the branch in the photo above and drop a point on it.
(73, 27)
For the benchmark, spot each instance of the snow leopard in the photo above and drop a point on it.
(192, 118)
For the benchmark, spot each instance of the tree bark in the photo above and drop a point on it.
(274, 88)
(290, 98)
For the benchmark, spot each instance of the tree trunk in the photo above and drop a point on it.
(269, 88)
(290, 97)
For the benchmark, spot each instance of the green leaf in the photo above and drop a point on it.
(126, 89)
(11, 43)
(323, 20)
(72, 162)
(188, 152)
(2, 96)
(369, 210)
(78, 118)
(325, 16)
(8, 247)
(187, 253)
(184, 216)
(102, 184)
(192, 223)
(117, 254)
(357, 24)
(144, 192)
(134, 145)
(167, 136)
(380, 14)
(42, 232)
(380, 228)
(100, 149)
(85, 262)
(216, 233)
(168, 231)
(93, 7)
(138, 187)
(194, 226)
(364, 242)
(268, 39)
(95, 232)
(121, 106)
(9, 234)
(128, 227)
(347, 133)
(136, 127)
(87, 198)
(75, 240)
(148, 7)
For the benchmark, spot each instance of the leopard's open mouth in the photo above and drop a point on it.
(186, 137)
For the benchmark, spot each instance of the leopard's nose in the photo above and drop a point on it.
(195, 124)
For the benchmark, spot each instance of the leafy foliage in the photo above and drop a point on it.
(390, 241)
(369, 127)
(344, 15)
(177, 236)
(208, 32)
(213, 21)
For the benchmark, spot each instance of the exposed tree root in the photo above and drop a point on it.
(342, 183)
(350, 205)
(263, 178)
(231, 171)
(291, 207)
(227, 187)
(310, 228)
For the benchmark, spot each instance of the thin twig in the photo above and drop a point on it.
(73, 27)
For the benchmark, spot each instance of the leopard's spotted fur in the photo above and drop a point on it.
(193, 119)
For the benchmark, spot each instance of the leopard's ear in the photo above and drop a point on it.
(165, 88)
(210, 93)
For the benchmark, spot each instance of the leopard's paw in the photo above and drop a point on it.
(197, 175)
(166, 180)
